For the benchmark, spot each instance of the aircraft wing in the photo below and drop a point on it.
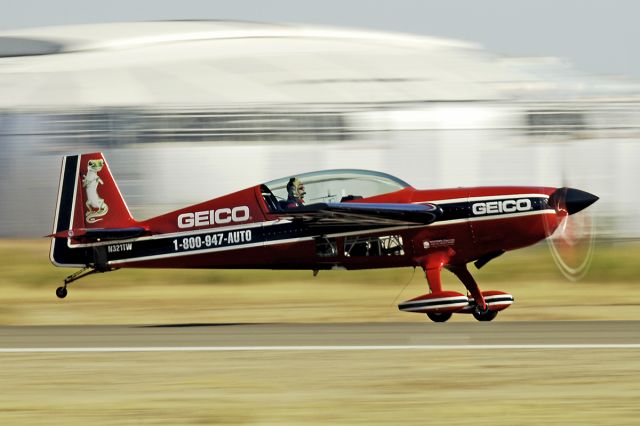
(364, 214)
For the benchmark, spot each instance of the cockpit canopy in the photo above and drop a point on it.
(333, 186)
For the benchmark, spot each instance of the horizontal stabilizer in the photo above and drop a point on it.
(101, 233)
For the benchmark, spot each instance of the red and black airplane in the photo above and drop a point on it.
(332, 219)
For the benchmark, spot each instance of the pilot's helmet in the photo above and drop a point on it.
(295, 188)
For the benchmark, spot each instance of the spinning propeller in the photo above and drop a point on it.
(573, 241)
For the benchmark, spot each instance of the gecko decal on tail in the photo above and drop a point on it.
(96, 207)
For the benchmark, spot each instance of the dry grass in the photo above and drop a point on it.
(274, 388)
(385, 387)
(611, 291)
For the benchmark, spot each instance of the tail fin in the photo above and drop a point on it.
(89, 205)
(97, 201)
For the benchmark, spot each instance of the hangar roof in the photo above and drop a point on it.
(247, 63)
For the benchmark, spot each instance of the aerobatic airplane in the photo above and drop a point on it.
(332, 219)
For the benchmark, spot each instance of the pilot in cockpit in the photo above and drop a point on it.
(295, 193)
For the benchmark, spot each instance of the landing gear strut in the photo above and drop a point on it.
(469, 282)
(61, 292)
(439, 305)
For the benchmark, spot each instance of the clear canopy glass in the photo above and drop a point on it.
(332, 186)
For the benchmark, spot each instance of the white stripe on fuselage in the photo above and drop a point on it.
(493, 217)
(482, 198)
(210, 250)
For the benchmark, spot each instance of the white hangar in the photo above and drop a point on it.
(189, 110)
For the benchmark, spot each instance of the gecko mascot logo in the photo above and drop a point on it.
(96, 207)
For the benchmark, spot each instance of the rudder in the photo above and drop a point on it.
(88, 200)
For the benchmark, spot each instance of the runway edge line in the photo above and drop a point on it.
(321, 348)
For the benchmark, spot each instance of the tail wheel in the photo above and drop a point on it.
(439, 316)
(61, 292)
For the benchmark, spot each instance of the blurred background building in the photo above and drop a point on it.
(190, 110)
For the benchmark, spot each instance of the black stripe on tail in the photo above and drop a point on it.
(61, 254)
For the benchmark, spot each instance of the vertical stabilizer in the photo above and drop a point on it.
(98, 202)
(88, 199)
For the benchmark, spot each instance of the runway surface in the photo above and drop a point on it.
(331, 336)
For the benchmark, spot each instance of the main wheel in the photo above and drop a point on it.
(484, 315)
(439, 316)
(61, 292)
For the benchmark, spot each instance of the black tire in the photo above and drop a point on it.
(61, 292)
(439, 316)
(485, 316)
